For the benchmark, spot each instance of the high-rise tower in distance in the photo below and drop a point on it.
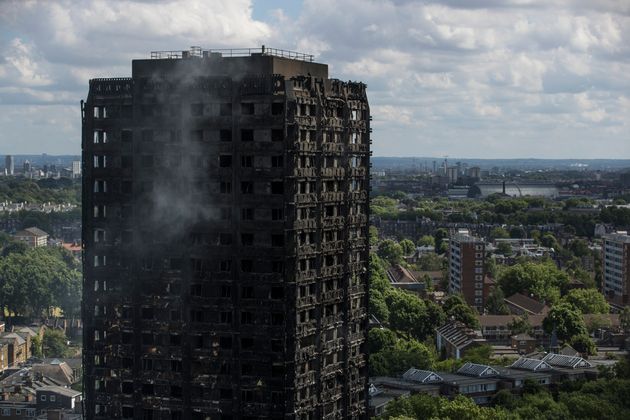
(225, 226)
(9, 165)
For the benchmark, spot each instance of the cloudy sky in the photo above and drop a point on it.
(464, 78)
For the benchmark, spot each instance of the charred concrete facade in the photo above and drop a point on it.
(225, 226)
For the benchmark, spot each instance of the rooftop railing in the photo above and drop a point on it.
(231, 52)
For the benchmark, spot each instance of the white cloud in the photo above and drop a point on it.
(459, 77)
(20, 64)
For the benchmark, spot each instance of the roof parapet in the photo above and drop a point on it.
(198, 52)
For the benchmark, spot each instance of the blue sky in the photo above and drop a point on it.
(464, 78)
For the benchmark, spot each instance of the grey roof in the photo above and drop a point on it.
(457, 379)
(530, 364)
(532, 306)
(515, 374)
(423, 376)
(477, 370)
(68, 392)
(523, 336)
(59, 372)
(34, 231)
(27, 330)
(457, 334)
(567, 350)
(560, 360)
(13, 336)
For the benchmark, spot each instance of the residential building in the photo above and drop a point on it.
(33, 237)
(466, 267)
(616, 267)
(76, 169)
(455, 338)
(18, 348)
(225, 229)
(519, 304)
(524, 343)
(480, 382)
(52, 396)
(9, 165)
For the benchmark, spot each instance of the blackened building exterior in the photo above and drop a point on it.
(225, 226)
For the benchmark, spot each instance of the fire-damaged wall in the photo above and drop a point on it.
(225, 226)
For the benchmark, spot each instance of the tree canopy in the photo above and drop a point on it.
(541, 279)
(587, 301)
(34, 281)
(567, 321)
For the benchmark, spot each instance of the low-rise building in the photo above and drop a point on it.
(519, 304)
(455, 339)
(33, 237)
(18, 348)
(58, 397)
(524, 343)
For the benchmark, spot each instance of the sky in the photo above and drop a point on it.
(463, 78)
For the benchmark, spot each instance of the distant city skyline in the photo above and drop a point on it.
(479, 78)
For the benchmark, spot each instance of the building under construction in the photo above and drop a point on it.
(225, 229)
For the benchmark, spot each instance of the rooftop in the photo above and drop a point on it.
(199, 52)
(530, 364)
(424, 376)
(68, 392)
(532, 306)
(560, 360)
(477, 370)
(620, 236)
(32, 231)
(458, 334)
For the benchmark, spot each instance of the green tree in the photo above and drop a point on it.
(499, 233)
(36, 346)
(38, 279)
(406, 312)
(430, 262)
(378, 275)
(479, 354)
(517, 232)
(377, 306)
(432, 318)
(549, 241)
(495, 304)
(597, 321)
(465, 314)
(579, 247)
(390, 251)
(585, 406)
(542, 279)
(451, 301)
(373, 235)
(405, 354)
(567, 321)
(541, 405)
(408, 247)
(584, 344)
(520, 325)
(587, 301)
(440, 235)
(55, 344)
(426, 240)
(504, 248)
(380, 339)
(584, 277)
(11, 247)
